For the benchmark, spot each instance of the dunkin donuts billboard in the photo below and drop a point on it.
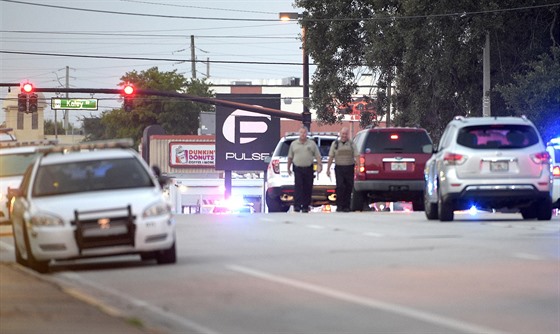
(183, 154)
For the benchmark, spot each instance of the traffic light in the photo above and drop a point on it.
(22, 102)
(27, 99)
(128, 94)
(33, 101)
(26, 88)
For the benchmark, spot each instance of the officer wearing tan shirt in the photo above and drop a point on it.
(345, 154)
(301, 153)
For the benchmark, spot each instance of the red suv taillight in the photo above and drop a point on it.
(454, 158)
(541, 158)
(275, 163)
(362, 165)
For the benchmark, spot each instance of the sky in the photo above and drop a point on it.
(40, 39)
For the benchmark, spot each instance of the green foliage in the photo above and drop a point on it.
(535, 92)
(175, 115)
(49, 128)
(430, 51)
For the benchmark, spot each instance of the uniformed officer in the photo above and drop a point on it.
(345, 154)
(301, 153)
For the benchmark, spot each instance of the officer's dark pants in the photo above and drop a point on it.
(303, 187)
(344, 185)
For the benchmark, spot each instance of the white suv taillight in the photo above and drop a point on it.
(454, 158)
(275, 163)
(541, 158)
(556, 171)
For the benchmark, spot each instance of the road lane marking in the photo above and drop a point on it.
(367, 302)
(317, 227)
(373, 234)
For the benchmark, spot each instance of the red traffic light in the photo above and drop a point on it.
(27, 87)
(128, 89)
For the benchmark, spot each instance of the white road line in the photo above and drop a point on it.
(371, 303)
(317, 227)
(373, 234)
(527, 256)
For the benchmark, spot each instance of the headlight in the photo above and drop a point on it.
(157, 209)
(45, 219)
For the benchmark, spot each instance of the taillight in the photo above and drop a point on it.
(275, 166)
(454, 158)
(362, 164)
(541, 158)
(556, 171)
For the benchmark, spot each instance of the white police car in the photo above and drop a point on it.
(91, 200)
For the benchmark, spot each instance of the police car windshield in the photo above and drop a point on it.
(84, 176)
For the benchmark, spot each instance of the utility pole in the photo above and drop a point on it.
(66, 111)
(486, 112)
(193, 58)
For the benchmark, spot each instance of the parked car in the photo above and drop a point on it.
(280, 185)
(489, 163)
(553, 148)
(14, 159)
(91, 200)
(391, 167)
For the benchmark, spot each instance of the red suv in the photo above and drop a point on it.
(391, 167)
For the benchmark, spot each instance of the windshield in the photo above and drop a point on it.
(83, 176)
(396, 142)
(15, 164)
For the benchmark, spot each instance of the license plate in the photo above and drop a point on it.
(398, 166)
(499, 166)
(104, 232)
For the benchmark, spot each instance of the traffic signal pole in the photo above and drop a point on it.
(199, 99)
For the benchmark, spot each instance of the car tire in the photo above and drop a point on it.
(274, 205)
(19, 259)
(430, 209)
(544, 210)
(445, 210)
(358, 202)
(529, 212)
(167, 256)
(418, 204)
(40, 266)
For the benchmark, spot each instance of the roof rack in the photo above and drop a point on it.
(312, 134)
(89, 146)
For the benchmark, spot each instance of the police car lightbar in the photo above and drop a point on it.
(555, 141)
(6, 129)
(90, 146)
(10, 144)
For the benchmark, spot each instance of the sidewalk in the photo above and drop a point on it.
(30, 303)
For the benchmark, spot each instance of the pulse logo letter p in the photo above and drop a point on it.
(243, 127)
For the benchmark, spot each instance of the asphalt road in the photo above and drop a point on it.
(338, 273)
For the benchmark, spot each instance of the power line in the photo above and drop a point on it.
(144, 58)
(374, 18)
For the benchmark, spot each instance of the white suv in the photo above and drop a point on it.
(490, 163)
(91, 200)
(280, 185)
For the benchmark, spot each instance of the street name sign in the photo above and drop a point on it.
(74, 104)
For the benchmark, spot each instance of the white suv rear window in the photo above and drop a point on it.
(503, 136)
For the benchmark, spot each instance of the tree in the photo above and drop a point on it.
(49, 128)
(430, 51)
(535, 93)
(176, 116)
